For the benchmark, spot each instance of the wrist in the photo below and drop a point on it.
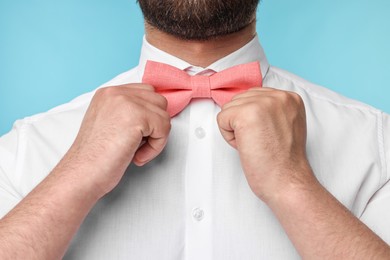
(291, 185)
(79, 174)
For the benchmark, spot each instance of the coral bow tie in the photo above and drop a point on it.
(179, 88)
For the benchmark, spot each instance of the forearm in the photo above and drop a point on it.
(320, 227)
(42, 225)
(117, 119)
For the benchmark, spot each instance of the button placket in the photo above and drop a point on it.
(198, 182)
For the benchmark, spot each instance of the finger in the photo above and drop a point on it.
(225, 127)
(244, 100)
(137, 86)
(229, 137)
(135, 91)
(149, 150)
(255, 91)
(149, 108)
(156, 141)
(259, 95)
(146, 96)
(247, 94)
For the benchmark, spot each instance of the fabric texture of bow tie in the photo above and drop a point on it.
(179, 88)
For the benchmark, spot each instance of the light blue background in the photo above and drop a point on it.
(52, 51)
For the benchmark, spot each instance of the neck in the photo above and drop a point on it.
(200, 53)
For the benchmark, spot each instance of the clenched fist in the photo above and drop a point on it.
(122, 124)
(268, 128)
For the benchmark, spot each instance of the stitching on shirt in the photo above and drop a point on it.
(317, 96)
(57, 110)
(377, 113)
(21, 154)
(83, 100)
(10, 184)
(382, 152)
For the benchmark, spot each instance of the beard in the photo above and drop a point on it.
(199, 19)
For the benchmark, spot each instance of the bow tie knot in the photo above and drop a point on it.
(179, 88)
(201, 87)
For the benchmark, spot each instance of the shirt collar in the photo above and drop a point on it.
(250, 52)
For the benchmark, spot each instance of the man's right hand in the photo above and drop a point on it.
(111, 136)
(122, 124)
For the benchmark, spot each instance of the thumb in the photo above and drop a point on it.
(149, 150)
(226, 129)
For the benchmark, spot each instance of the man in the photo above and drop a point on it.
(241, 181)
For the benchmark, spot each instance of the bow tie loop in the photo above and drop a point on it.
(179, 88)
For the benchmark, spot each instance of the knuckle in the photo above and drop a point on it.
(283, 96)
(224, 106)
(144, 127)
(106, 91)
(298, 98)
(163, 101)
(220, 117)
(268, 102)
(121, 100)
(295, 100)
(161, 127)
(168, 127)
(255, 107)
(146, 86)
(139, 86)
(252, 112)
(165, 118)
(287, 98)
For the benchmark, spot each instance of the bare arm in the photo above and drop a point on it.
(322, 228)
(42, 225)
(268, 128)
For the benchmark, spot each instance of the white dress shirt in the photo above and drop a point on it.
(193, 201)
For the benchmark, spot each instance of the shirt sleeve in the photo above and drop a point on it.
(377, 213)
(10, 149)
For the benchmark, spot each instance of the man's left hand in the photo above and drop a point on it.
(268, 128)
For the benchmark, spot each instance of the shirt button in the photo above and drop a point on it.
(200, 132)
(198, 214)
